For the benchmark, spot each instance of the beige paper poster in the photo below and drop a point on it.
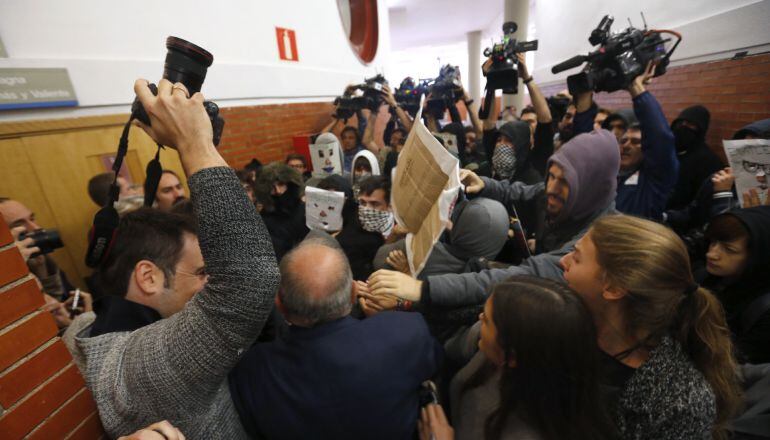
(425, 186)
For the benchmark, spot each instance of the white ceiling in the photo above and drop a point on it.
(416, 23)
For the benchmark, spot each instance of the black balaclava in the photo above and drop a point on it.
(685, 137)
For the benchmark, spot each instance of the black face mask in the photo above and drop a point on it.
(286, 202)
(565, 134)
(685, 138)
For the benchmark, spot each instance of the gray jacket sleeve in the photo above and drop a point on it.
(507, 193)
(454, 290)
(173, 368)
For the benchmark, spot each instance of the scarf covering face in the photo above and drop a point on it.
(374, 220)
(504, 161)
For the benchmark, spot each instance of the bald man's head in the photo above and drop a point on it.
(316, 284)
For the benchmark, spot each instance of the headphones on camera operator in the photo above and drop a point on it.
(185, 63)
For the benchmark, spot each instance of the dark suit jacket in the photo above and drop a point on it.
(344, 379)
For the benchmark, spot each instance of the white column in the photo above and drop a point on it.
(518, 12)
(474, 66)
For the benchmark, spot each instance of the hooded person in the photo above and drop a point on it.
(620, 121)
(510, 159)
(696, 160)
(365, 164)
(279, 189)
(465, 240)
(580, 188)
(738, 260)
(756, 130)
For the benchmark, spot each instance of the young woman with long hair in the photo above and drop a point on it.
(536, 375)
(666, 346)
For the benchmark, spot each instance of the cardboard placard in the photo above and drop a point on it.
(425, 188)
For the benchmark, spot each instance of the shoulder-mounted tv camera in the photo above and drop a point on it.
(444, 91)
(409, 93)
(503, 73)
(367, 95)
(620, 58)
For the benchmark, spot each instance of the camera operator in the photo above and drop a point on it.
(396, 129)
(648, 163)
(21, 220)
(529, 163)
(350, 137)
(456, 126)
(185, 301)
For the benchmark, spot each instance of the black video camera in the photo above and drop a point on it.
(409, 93)
(185, 63)
(620, 58)
(503, 74)
(445, 90)
(371, 98)
(47, 240)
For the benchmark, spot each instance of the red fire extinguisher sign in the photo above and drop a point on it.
(287, 44)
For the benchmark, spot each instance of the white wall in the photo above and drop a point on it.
(710, 28)
(106, 45)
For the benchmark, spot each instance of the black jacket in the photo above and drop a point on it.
(696, 162)
(738, 298)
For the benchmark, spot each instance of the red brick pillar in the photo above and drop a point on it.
(42, 395)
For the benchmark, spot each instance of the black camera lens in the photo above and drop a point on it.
(47, 240)
(186, 63)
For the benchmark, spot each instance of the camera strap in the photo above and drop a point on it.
(101, 237)
(153, 174)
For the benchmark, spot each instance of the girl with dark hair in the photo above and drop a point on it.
(536, 374)
(738, 260)
(666, 347)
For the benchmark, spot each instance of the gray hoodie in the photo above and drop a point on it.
(590, 162)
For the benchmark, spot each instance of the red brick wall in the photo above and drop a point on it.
(737, 92)
(42, 395)
(265, 132)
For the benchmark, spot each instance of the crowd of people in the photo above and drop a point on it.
(597, 279)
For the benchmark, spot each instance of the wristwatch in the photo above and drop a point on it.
(528, 80)
(468, 102)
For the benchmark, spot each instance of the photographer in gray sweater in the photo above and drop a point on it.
(179, 316)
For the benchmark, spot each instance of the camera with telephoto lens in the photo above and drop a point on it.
(47, 240)
(620, 58)
(503, 73)
(370, 97)
(445, 90)
(409, 93)
(185, 63)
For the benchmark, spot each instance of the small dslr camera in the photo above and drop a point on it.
(47, 240)
(185, 63)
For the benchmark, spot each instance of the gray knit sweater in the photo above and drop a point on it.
(176, 368)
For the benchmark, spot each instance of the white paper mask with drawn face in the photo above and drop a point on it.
(326, 158)
(323, 209)
(750, 162)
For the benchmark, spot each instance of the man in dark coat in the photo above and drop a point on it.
(696, 161)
